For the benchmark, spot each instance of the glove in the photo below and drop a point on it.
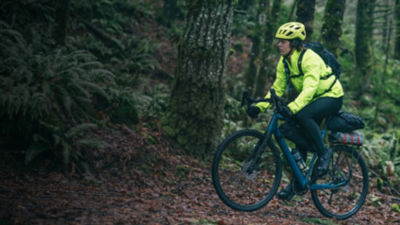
(286, 112)
(253, 111)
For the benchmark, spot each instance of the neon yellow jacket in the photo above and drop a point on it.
(310, 85)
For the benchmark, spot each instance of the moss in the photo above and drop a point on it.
(395, 207)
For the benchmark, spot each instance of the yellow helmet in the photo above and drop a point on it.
(291, 30)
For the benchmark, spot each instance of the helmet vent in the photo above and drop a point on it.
(291, 30)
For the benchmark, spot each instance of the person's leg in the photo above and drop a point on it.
(292, 132)
(308, 117)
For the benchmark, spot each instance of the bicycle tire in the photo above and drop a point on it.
(237, 186)
(345, 201)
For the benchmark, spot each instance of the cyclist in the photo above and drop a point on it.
(319, 95)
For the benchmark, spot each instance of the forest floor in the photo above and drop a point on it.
(141, 180)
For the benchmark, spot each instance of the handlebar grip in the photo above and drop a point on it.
(273, 93)
(245, 97)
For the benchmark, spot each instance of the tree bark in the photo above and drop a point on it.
(170, 11)
(62, 8)
(267, 69)
(305, 14)
(195, 113)
(397, 34)
(245, 4)
(386, 14)
(332, 26)
(256, 37)
(363, 47)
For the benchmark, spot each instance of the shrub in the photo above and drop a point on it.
(48, 98)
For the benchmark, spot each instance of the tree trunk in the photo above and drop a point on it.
(267, 69)
(195, 113)
(245, 4)
(62, 8)
(386, 11)
(363, 47)
(170, 12)
(256, 37)
(332, 26)
(397, 35)
(305, 15)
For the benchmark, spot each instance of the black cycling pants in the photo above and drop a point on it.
(308, 119)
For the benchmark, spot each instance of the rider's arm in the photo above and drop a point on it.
(279, 85)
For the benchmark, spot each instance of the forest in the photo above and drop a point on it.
(111, 111)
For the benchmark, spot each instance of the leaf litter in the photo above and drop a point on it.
(135, 182)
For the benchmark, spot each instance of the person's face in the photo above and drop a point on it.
(283, 46)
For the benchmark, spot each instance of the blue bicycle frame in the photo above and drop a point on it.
(303, 179)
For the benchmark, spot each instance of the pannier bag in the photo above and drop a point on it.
(352, 138)
(345, 122)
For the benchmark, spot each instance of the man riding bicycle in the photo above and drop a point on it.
(319, 95)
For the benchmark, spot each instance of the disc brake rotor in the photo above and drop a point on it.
(249, 173)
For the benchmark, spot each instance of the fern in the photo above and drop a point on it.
(54, 93)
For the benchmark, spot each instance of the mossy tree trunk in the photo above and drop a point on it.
(245, 4)
(305, 14)
(170, 12)
(397, 34)
(386, 12)
(332, 25)
(267, 69)
(256, 38)
(363, 46)
(62, 9)
(170, 9)
(195, 113)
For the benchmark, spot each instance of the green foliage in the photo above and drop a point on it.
(66, 144)
(382, 152)
(395, 207)
(31, 17)
(54, 95)
(155, 100)
(132, 61)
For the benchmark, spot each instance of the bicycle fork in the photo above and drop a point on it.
(251, 164)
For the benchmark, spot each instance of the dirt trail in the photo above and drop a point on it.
(165, 188)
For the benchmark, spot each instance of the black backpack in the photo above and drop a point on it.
(328, 57)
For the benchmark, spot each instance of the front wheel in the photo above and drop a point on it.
(245, 176)
(349, 172)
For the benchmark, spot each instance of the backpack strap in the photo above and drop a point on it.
(287, 72)
(330, 87)
(299, 62)
(286, 66)
(323, 78)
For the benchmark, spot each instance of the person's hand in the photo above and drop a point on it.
(286, 112)
(253, 111)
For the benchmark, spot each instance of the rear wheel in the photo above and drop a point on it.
(243, 179)
(347, 170)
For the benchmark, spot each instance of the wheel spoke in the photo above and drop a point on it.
(349, 168)
(239, 177)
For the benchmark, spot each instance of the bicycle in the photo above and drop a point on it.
(247, 170)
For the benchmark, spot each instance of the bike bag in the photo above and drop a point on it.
(352, 138)
(345, 122)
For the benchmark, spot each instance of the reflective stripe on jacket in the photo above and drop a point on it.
(310, 86)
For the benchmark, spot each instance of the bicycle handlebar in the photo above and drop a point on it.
(275, 100)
